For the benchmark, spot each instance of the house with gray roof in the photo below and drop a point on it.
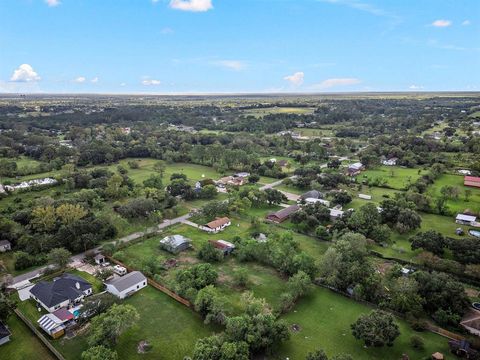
(175, 243)
(312, 194)
(64, 291)
(126, 285)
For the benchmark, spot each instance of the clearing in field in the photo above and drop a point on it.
(395, 177)
(468, 197)
(324, 318)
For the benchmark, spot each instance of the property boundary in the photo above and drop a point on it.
(156, 285)
(39, 335)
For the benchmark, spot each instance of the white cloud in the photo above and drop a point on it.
(466, 22)
(191, 5)
(236, 65)
(80, 79)
(415, 87)
(24, 73)
(52, 3)
(95, 80)
(442, 23)
(123, 84)
(295, 79)
(330, 83)
(151, 82)
(166, 31)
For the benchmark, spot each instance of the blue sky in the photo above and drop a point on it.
(218, 46)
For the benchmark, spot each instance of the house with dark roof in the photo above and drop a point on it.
(312, 194)
(126, 285)
(64, 291)
(4, 334)
(282, 215)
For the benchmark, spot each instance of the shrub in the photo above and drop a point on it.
(417, 342)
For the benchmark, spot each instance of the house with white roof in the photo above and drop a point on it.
(465, 219)
(126, 285)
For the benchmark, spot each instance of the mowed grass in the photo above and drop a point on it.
(396, 177)
(23, 343)
(325, 317)
(146, 168)
(168, 326)
(460, 204)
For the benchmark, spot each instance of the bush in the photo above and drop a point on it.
(417, 342)
(240, 278)
(210, 253)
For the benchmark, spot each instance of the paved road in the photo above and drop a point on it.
(21, 280)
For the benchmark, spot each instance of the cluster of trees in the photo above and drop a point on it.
(256, 330)
(347, 267)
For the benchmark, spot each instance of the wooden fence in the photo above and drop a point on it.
(39, 335)
(155, 284)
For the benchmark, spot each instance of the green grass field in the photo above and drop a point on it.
(460, 204)
(324, 319)
(396, 177)
(23, 343)
(170, 327)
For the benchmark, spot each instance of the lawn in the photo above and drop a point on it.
(313, 132)
(378, 195)
(396, 177)
(460, 204)
(23, 343)
(193, 172)
(170, 327)
(324, 318)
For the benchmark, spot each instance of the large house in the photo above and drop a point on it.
(175, 243)
(473, 181)
(282, 215)
(64, 291)
(312, 194)
(465, 219)
(232, 180)
(355, 169)
(127, 285)
(217, 225)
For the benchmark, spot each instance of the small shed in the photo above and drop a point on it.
(127, 285)
(99, 259)
(335, 214)
(5, 246)
(175, 243)
(438, 356)
(365, 196)
(225, 246)
(52, 325)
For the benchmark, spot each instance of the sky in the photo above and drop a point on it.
(239, 46)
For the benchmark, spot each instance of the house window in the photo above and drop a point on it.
(144, 283)
(138, 286)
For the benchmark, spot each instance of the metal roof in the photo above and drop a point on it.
(127, 281)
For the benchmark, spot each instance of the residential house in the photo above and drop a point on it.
(5, 246)
(4, 334)
(335, 214)
(233, 180)
(465, 219)
(390, 162)
(217, 225)
(312, 194)
(64, 291)
(471, 181)
(242, 174)
(54, 324)
(127, 285)
(464, 172)
(283, 214)
(355, 169)
(314, 201)
(225, 246)
(175, 243)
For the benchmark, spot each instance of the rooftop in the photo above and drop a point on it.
(126, 281)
